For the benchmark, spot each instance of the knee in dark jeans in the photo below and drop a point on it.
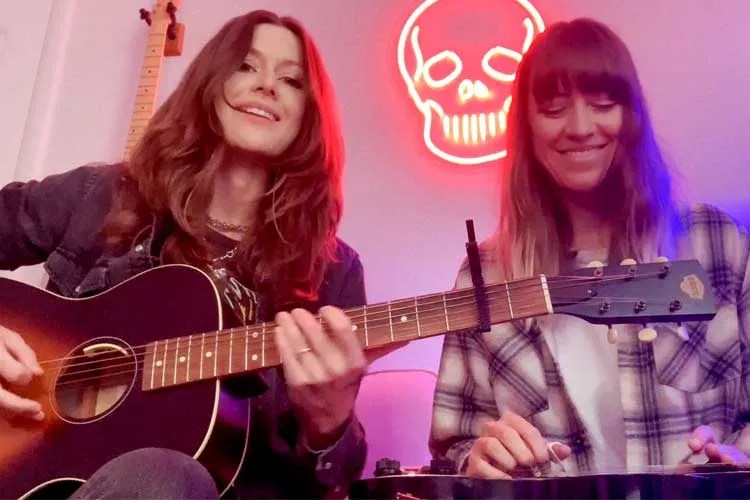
(150, 473)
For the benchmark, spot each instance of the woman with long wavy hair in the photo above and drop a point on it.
(585, 181)
(238, 174)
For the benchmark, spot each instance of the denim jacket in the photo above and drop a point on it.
(57, 221)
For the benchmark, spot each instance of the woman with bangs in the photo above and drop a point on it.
(585, 181)
(239, 174)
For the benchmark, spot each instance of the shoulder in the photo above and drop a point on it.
(92, 172)
(708, 224)
(344, 266)
(343, 284)
(716, 239)
(79, 182)
(345, 257)
(706, 215)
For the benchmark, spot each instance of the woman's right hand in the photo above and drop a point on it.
(506, 445)
(18, 365)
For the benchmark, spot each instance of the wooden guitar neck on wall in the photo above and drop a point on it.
(165, 37)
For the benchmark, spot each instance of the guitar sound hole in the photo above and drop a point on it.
(95, 379)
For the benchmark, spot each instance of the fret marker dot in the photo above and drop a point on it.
(354, 328)
(255, 335)
(404, 319)
(182, 359)
(158, 363)
(209, 354)
(255, 357)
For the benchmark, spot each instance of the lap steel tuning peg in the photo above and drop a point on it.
(647, 335)
(611, 335)
(682, 332)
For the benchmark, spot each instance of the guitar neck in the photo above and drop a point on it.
(235, 351)
(148, 83)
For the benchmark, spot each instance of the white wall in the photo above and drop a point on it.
(405, 209)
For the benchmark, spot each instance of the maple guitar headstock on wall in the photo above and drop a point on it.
(165, 39)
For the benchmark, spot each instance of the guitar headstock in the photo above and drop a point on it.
(164, 14)
(661, 292)
(160, 13)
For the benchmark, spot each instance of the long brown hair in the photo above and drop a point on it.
(533, 234)
(173, 167)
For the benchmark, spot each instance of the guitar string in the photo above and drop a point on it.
(657, 468)
(370, 312)
(163, 360)
(423, 317)
(171, 364)
(372, 315)
(139, 360)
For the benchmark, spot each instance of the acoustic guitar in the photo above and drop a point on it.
(142, 364)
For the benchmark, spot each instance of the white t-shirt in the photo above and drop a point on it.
(588, 367)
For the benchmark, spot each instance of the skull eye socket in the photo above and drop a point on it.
(441, 69)
(501, 63)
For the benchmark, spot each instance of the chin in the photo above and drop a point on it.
(581, 188)
(583, 183)
(255, 148)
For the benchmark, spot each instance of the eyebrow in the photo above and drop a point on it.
(282, 63)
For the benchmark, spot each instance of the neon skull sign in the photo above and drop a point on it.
(458, 59)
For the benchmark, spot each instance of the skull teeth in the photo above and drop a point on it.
(474, 128)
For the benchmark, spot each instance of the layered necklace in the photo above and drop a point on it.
(226, 226)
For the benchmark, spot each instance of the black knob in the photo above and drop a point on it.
(387, 467)
(442, 465)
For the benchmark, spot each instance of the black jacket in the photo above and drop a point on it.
(57, 221)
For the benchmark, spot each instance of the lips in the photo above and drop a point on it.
(583, 154)
(582, 149)
(257, 109)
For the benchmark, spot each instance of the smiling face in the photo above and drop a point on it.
(264, 99)
(575, 137)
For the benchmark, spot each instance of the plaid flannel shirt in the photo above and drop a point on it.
(668, 387)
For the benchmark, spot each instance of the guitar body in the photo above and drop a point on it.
(81, 432)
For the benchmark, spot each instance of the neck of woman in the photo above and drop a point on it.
(238, 190)
(590, 218)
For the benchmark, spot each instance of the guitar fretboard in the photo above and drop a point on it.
(234, 351)
(148, 82)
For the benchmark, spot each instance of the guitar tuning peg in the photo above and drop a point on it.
(647, 335)
(595, 263)
(682, 332)
(611, 335)
(661, 259)
(628, 262)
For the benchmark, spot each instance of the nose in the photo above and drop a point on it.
(580, 121)
(265, 82)
(468, 90)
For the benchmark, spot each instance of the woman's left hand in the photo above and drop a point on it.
(323, 366)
